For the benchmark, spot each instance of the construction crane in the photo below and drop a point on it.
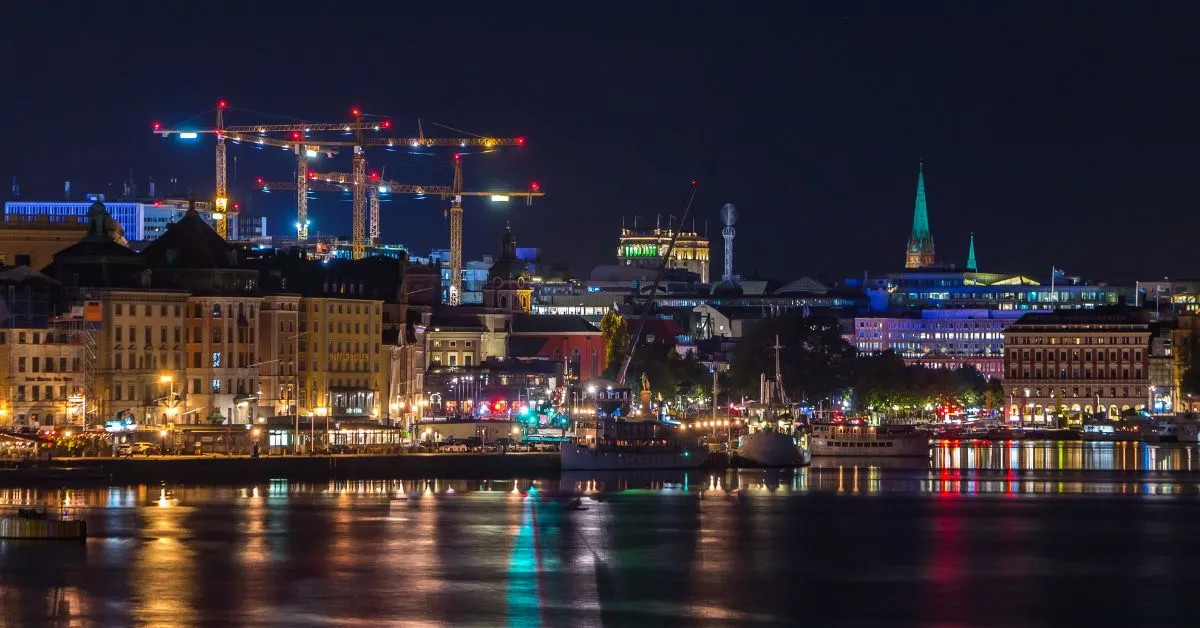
(304, 150)
(342, 181)
(238, 134)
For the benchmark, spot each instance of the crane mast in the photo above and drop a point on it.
(221, 202)
(301, 194)
(455, 215)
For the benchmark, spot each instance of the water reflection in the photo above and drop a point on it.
(739, 547)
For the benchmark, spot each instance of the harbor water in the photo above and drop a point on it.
(1021, 534)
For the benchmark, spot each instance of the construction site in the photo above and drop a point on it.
(359, 137)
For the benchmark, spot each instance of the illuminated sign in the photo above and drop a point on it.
(188, 136)
(641, 250)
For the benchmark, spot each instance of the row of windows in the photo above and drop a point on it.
(119, 335)
(49, 365)
(37, 338)
(144, 361)
(927, 324)
(1088, 391)
(1013, 354)
(44, 393)
(147, 309)
(1075, 373)
(1076, 340)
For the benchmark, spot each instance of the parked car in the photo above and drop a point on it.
(142, 448)
(124, 449)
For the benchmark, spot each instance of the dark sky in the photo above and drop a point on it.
(1059, 133)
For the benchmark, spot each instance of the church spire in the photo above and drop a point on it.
(920, 243)
(971, 266)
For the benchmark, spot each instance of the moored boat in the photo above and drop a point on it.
(629, 445)
(848, 439)
(771, 448)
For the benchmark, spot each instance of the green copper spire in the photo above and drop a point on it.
(920, 213)
(971, 267)
(920, 243)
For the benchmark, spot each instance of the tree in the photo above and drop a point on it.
(815, 360)
(616, 341)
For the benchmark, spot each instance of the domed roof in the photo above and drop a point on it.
(508, 267)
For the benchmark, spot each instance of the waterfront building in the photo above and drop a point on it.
(939, 338)
(559, 338)
(279, 337)
(944, 288)
(508, 287)
(465, 336)
(647, 248)
(42, 371)
(1076, 363)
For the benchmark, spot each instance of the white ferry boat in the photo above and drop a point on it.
(847, 439)
(631, 445)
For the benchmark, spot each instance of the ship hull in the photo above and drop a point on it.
(881, 448)
(772, 449)
(581, 458)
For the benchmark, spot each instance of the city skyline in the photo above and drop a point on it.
(1022, 133)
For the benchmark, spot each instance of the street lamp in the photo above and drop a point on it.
(169, 380)
(321, 411)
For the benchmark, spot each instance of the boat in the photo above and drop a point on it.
(772, 442)
(773, 448)
(851, 438)
(44, 524)
(633, 445)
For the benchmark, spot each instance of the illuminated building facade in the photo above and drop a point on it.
(646, 248)
(140, 220)
(939, 338)
(1075, 364)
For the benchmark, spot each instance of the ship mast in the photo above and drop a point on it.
(779, 372)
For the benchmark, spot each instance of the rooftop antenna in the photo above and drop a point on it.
(653, 293)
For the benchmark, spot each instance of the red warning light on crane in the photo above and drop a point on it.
(259, 180)
(221, 104)
(374, 175)
(520, 141)
(295, 135)
(534, 186)
(355, 112)
(387, 124)
(312, 175)
(157, 126)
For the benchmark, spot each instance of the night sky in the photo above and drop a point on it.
(1059, 136)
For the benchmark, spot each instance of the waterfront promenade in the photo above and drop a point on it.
(238, 468)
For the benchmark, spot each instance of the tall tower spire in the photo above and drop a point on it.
(971, 267)
(920, 243)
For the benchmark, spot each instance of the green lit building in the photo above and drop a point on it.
(646, 248)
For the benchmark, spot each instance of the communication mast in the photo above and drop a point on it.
(728, 218)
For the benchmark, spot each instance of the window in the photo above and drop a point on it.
(132, 334)
(216, 334)
(216, 312)
(216, 361)
(62, 364)
(196, 334)
(216, 386)
(467, 360)
(196, 385)
(196, 360)
(37, 393)
(21, 338)
(119, 309)
(178, 334)
(162, 333)
(117, 361)
(453, 359)
(119, 335)
(37, 337)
